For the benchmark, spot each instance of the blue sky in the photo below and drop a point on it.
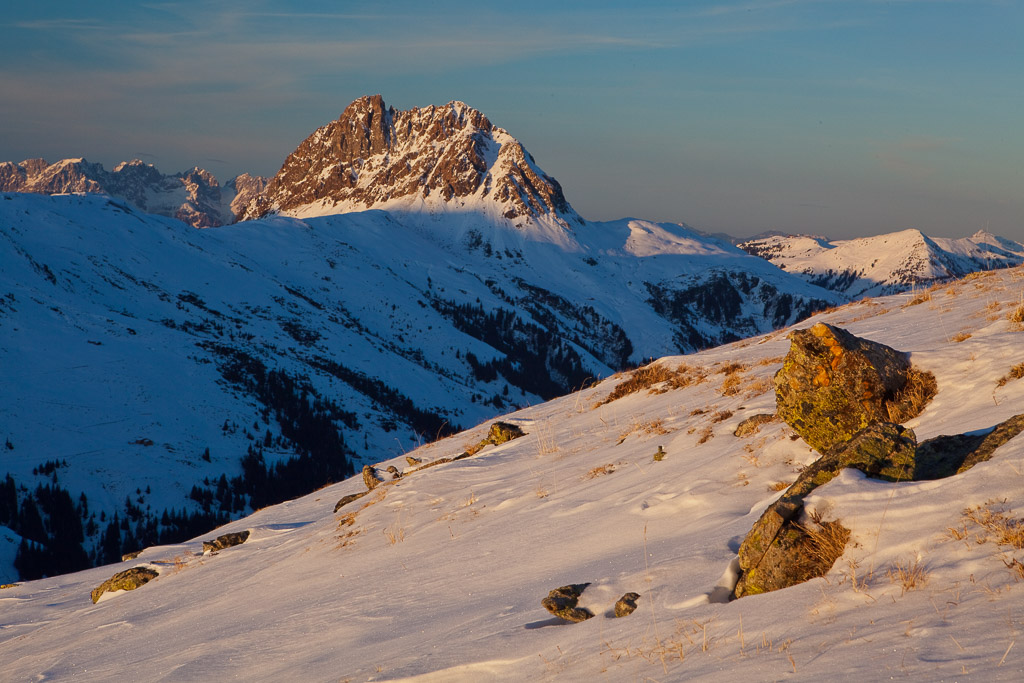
(830, 117)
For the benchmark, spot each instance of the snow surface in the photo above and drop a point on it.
(105, 311)
(439, 576)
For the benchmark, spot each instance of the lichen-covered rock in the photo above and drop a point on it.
(778, 552)
(660, 454)
(345, 500)
(413, 461)
(501, 432)
(393, 471)
(752, 424)
(130, 556)
(128, 580)
(562, 603)
(626, 605)
(370, 477)
(833, 384)
(226, 541)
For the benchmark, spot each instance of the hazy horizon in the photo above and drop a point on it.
(808, 116)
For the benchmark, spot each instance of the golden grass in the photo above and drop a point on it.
(909, 575)
(601, 470)
(909, 401)
(961, 336)
(658, 378)
(1016, 372)
(997, 524)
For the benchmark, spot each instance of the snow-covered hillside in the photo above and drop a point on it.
(885, 264)
(438, 576)
(143, 358)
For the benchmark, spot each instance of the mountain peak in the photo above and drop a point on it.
(448, 156)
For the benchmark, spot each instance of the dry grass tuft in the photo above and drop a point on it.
(780, 486)
(657, 378)
(826, 542)
(706, 435)
(961, 336)
(733, 382)
(601, 470)
(1016, 316)
(721, 416)
(909, 401)
(909, 575)
(998, 525)
(1016, 372)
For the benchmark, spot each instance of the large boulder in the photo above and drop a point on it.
(128, 580)
(833, 384)
(944, 456)
(779, 551)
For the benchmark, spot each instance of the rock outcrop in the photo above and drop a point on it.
(833, 384)
(128, 580)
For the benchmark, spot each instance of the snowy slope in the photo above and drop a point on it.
(439, 575)
(885, 264)
(138, 350)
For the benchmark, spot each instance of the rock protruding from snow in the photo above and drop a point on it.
(194, 196)
(226, 541)
(562, 603)
(780, 551)
(128, 580)
(833, 384)
(374, 156)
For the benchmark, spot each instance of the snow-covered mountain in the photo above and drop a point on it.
(193, 196)
(439, 576)
(884, 264)
(143, 358)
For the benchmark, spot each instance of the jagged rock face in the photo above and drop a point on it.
(193, 197)
(374, 154)
(833, 384)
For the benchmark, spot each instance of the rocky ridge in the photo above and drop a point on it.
(194, 196)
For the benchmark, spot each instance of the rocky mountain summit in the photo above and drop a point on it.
(374, 156)
(193, 196)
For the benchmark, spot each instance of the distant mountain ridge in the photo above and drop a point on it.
(884, 264)
(194, 196)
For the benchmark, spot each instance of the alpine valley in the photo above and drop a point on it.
(406, 275)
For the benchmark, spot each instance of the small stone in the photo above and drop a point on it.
(413, 461)
(393, 471)
(660, 455)
(130, 556)
(562, 603)
(348, 499)
(752, 424)
(626, 605)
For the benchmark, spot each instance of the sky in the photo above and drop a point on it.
(828, 117)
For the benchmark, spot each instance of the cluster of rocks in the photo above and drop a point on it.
(563, 602)
(130, 579)
(841, 393)
(499, 433)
